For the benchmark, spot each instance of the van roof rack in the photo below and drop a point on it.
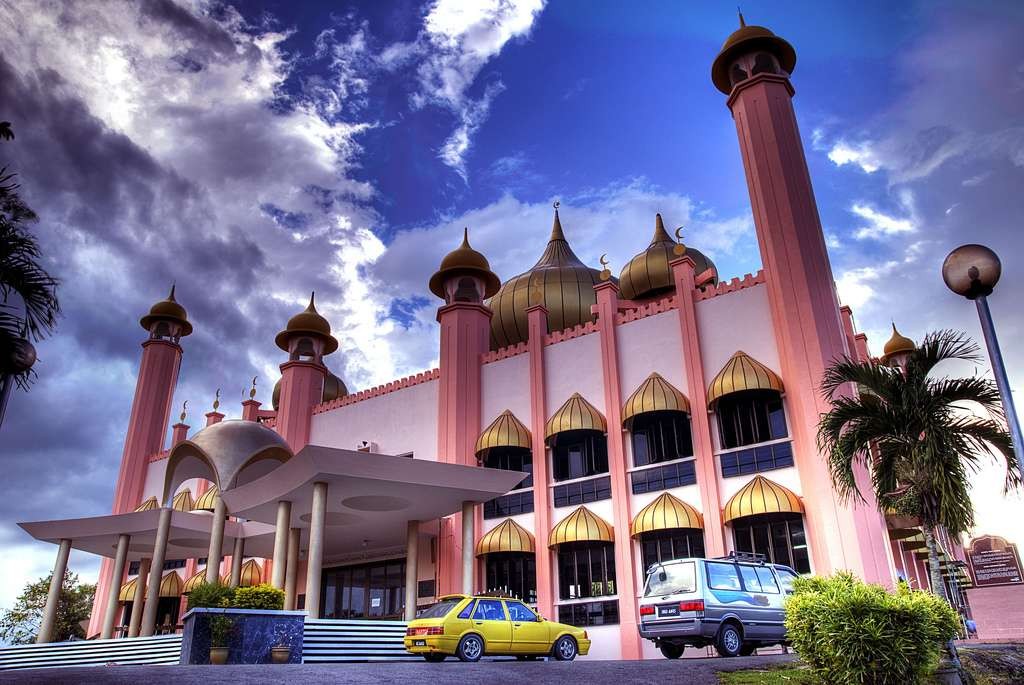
(749, 557)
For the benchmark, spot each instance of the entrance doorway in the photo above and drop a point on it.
(374, 590)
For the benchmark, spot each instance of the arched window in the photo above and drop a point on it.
(578, 453)
(779, 537)
(513, 574)
(675, 543)
(749, 417)
(586, 569)
(511, 459)
(660, 436)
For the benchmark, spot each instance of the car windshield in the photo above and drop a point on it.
(670, 579)
(441, 609)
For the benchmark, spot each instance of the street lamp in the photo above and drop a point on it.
(973, 271)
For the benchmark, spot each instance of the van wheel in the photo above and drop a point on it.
(670, 650)
(729, 641)
(434, 658)
(747, 649)
(470, 648)
(565, 649)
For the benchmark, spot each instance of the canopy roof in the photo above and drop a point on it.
(504, 431)
(654, 394)
(575, 414)
(761, 496)
(507, 536)
(581, 525)
(665, 513)
(251, 574)
(742, 372)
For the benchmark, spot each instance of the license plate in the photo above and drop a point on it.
(668, 611)
(419, 643)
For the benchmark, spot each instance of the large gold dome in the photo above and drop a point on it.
(559, 281)
(649, 274)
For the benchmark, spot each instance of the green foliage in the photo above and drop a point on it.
(777, 675)
(20, 624)
(263, 596)
(221, 627)
(207, 595)
(853, 633)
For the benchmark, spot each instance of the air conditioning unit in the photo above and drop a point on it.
(366, 446)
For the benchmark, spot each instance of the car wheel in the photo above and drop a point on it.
(747, 649)
(565, 648)
(434, 658)
(729, 640)
(670, 650)
(471, 648)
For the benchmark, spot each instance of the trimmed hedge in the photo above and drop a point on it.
(211, 595)
(263, 596)
(853, 633)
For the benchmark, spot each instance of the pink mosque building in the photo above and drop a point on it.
(578, 428)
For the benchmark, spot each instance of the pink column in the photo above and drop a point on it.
(213, 417)
(700, 425)
(251, 410)
(179, 432)
(302, 388)
(537, 328)
(625, 566)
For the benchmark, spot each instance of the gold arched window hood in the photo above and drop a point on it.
(183, 501)
(761, 496)
(127, 591)
(251, 574)
(582, 525)
(654, 394)
(575, 414)
(195, 581)
(208, 500)
(148, 505)
(504, 431)
(170, 585)
(508, 536)
(742, 372)
(667, 512)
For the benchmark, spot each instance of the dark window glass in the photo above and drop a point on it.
(586, 569)
(664, 477)
(757, 459)
(133, 568)
(665, 545)
(509, 505)
(374, 590)
(767, 580)
(511, 459)
(517, 611)
(723, 576)
(441, 609)
(660, 436)
(174, 563)
(779, 537)
(426, 588)
(577, 454)
(581, 492)
(513, 574)
(589, 613)
(750, 417)
(751, 583)
(466, 612)
(489, 610)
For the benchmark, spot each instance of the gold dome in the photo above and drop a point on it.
(897, 344)
(334, 388)
(748, 39)
(559, 281)
(649, 274)
(308, 322)
(167, 310)
(464, 260)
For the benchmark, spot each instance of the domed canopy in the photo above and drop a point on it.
(464, 261)
(250, 575)
(334, 388)
(167, 310)
(749, 39)
(582, 525)
(229, 453)
(761, 496)
(667, 512)
(897, 344)
(649, 274)
(308, 322)
(576, 414)
(504, 431)
(559, 281)
(508, 536)
(654, 394)
(742, 372)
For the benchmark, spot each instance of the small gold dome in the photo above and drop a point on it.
(648, 274)
(167, 310)
(896, 345)
(559, 281)
(308, 322)
(334, 388)
(747, 39)
(464, 260)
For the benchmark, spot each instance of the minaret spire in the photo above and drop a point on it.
(660, 234)
(742, 22)
(556, 227)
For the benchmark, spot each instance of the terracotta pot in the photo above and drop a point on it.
(280, 655)
(218, 655)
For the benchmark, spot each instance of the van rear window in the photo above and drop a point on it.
(671, 579)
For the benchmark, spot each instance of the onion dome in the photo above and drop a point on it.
(648, 274)
(334, 388)
(464, 261)
(748, 39)
(308, 322)
(167, 310)
(897, 344)
(559, 281)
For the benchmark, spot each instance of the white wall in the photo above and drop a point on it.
(505, 384)
(648, 345)
(740, 320)
(574, 366)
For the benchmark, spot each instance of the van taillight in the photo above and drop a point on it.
(694, 605)
(646, 610)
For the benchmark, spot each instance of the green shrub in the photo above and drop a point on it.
(264, 596)
(221, 627)
(215, 595)
(853, 633)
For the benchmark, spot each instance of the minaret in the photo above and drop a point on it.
(753, 69)
(166, 323)
(464, 280)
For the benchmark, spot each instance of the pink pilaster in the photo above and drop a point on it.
(537, 327)
(302, 388)
(179, 432)
(250, 410)
(625, 567)
(805, 315)
(700, 425)
(213, 417)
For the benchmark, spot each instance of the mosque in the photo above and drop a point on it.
(579, 427)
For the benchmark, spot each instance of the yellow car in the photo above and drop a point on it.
(470, 627)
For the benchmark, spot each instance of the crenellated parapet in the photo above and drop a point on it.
(724, 288)
(377, 391)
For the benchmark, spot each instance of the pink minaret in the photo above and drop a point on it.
(166, 323)
(753, 69)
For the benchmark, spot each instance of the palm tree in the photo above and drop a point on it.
(916, 434)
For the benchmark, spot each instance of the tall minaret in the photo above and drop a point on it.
(753, 69)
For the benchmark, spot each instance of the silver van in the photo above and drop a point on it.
(733, 603)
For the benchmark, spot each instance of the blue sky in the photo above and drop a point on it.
(254, 151)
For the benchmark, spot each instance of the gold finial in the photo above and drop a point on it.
(465, 237)
(556, 226)
(556, 204)
(184, 407)
(742, 22)
(171, 296)
(312, 302)
(216, 400)
(605, 273)
(252, 391)
(680, 249)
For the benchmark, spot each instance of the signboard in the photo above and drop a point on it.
(994, 561)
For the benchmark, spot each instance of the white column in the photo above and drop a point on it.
(467, 548)
(53, 598)
(237, 556)
(284, 518)
(315, 558)
(220, 513)
(140, 598)
(116, 578)
(412, 555)
(156, 572)
(291, 575)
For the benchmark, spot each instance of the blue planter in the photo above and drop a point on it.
(256, 632)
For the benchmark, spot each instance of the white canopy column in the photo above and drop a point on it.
(53, 598)
(156, 572)
(120, 557)
(315, 558)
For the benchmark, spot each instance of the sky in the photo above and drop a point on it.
(252, 152)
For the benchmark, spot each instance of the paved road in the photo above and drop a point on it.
(690, 671)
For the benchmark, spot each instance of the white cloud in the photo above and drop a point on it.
(861, 154)
(857, 287)
(880, 224)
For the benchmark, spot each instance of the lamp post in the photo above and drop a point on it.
(973, 271)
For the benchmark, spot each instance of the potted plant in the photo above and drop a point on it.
(220, 636)
(281, 654)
